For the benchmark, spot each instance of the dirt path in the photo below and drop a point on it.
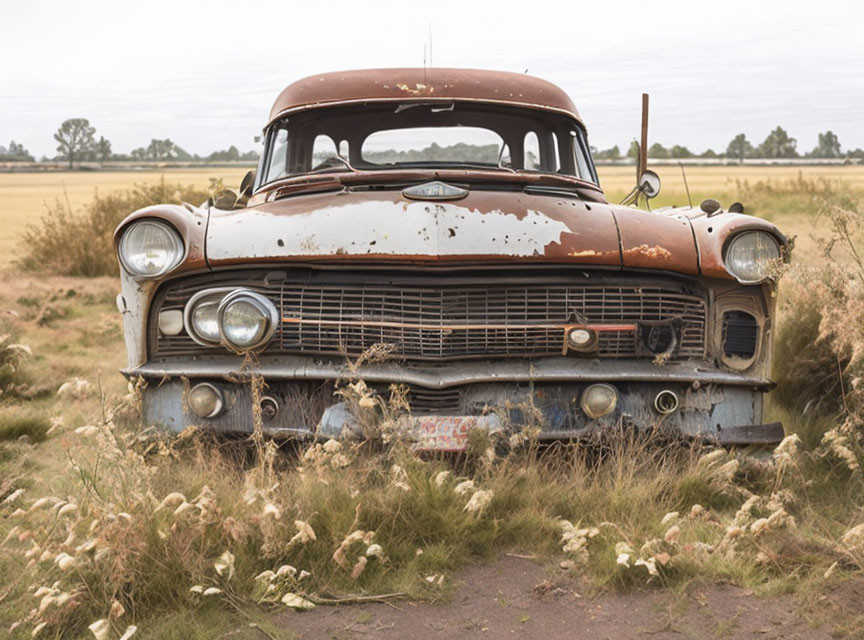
(514, 598)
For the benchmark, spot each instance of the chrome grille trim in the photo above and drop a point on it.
(433, 317)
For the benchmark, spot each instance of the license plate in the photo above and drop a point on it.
(448, 433)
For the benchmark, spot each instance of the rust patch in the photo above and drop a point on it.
(654, 241)
(653, 253)
(419, 89)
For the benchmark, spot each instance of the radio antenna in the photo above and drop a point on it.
(686, 186)
(431, 64)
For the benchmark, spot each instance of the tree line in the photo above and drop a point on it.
(778, 144)
(77, 142)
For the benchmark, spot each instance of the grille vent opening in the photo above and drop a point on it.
(740, 334)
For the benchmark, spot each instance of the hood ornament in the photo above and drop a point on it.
(434, 190)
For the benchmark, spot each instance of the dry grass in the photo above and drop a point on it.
(132, 527)
(70, 243)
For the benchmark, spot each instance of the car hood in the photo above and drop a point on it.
(485, 226)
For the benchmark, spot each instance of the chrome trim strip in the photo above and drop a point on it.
(555, 369)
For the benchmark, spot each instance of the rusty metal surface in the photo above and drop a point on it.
(712, 413)
(770, 433)
(555, 369)
(423, 85)
(656, 241)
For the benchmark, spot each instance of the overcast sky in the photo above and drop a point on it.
(206, 73)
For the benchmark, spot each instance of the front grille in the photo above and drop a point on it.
(433, 317)
(740, 334)
(435, 401)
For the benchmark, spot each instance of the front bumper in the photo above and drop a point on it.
(544, 393)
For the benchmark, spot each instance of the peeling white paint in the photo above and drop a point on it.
(384, 228)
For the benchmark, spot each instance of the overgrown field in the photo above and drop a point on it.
(107, 528)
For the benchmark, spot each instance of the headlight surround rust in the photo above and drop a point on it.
(150, 248)
(750, 256)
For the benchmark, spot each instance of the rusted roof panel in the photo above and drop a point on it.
(423, 85)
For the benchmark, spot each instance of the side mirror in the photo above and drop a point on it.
(649, 184)
(247, 183)
(225, 199)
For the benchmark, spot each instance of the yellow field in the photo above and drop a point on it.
(724, 179)
(23, 196)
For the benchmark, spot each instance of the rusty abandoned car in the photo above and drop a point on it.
(454, 216)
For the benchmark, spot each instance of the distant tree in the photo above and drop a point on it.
(858, 154)
(75, 138)
(828, 147)
(708, 153)
(678, 151)
(778, 144)
(103, 149)
(16, 152)
(739, 148)
(161, 149)
(633, 151)
(229, 155)
(608, 154)
(181, 154)
(254, 156)
(657, 150)
(139, 154)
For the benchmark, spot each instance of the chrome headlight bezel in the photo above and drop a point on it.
(212, 297)
(174, 245)
(764, 262)
(266, 310)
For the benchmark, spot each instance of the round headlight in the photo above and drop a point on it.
(150, 248)
(582, 339)
(598, 400)
(205, 400)
(750, 256)
(201, 316)
(247, 319)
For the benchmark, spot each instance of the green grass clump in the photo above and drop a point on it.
(16, 423)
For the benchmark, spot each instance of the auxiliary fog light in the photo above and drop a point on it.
(582, 339)
(599, 400)
(205, 400)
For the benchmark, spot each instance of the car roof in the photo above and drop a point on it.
(423, 85)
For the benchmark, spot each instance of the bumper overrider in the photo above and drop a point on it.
(562, 397)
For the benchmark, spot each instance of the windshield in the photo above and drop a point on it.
(420, 135)
(432, 145)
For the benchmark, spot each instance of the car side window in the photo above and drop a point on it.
(583, 168)
(531, 146)
(278, 156)
(324, 150)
